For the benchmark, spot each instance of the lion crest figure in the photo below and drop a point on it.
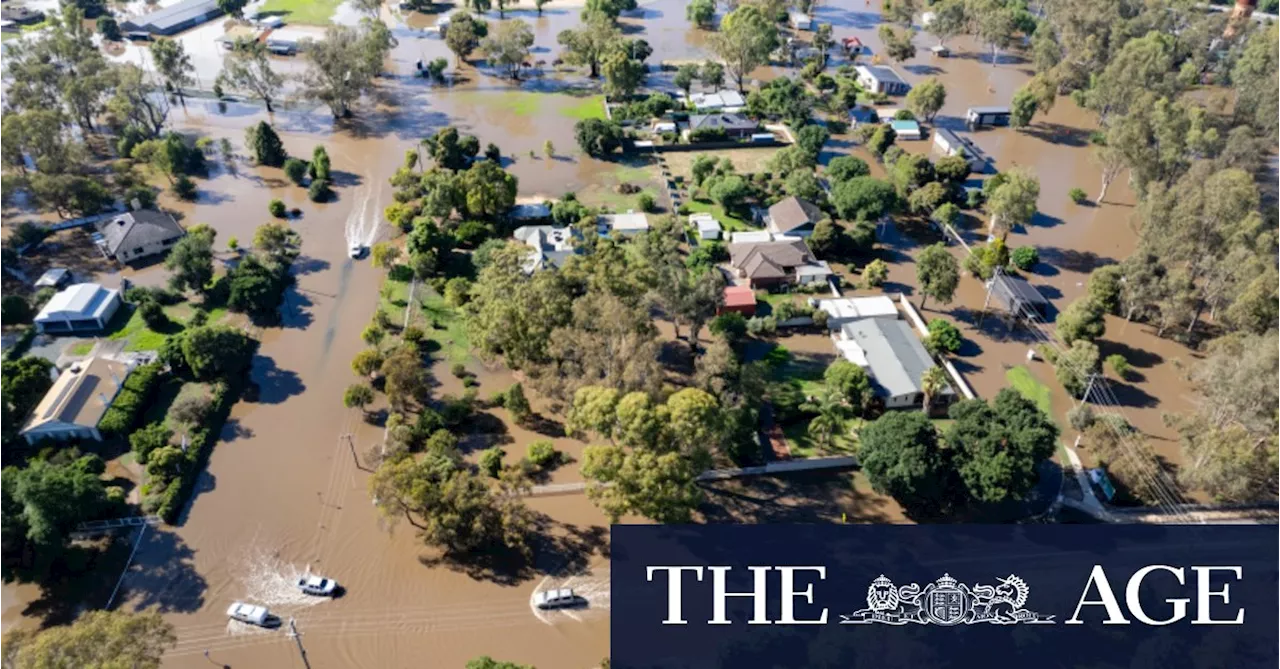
(882, 595)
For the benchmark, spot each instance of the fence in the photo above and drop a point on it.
(918, 322)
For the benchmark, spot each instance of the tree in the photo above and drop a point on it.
(898, 45)
(24, 383)
(1082, 319)
(212, 351)
(385, 255)
(15, 309)
(948, 20)
(844, 168)
(598, 137)
(95, 639)
(900, 454)
(191, 263)
(486, 662)
(952, 169)
(451, 149)
(265, 145)
(366, 362)
(489, 189)
(701, 13)
(803, 184)
(406, 379)
(463, 35)
(1253, 75)
(925, 99)
(593, 410)
(296, 170)
(712, 74)
(910, 172)
(173, 64)
(538, 5)
(148, 439)
(609, 9)
(943, 337)
(996, 448)
(875, 274)
(992, 22)
(190, 410)
(508, 46)
(863, 198)
(927, 199)
(622, 75)
(47, 501)
(685, 76)
(233, 8)
(342, 66)
(938, 274)
(1023, 107)
(932, 384)
(1074, 366)
(1013, 203)
(810, 139)
(850, 382)
(745, 40)
(108, 28)
(246, 67)
(590, 44)
(658, 486)
(881, 140)
(823, 41)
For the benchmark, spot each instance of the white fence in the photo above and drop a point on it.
(918, 322)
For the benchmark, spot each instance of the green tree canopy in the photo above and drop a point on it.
(899, 452)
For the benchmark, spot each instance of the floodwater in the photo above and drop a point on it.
(283, 493)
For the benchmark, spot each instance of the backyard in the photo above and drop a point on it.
(311, 12)
(745, 161)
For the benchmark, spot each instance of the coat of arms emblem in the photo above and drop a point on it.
(947, 602)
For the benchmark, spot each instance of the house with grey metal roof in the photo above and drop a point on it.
(881, 79)
(551, 246)
(1017, 295)
(794, 217)
(173, 19)
(77, 401)
(137, 234)
(892, 356)
(734, 125)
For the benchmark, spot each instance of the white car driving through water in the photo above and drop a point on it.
(557, 599)
(317, 585)
(249, 613)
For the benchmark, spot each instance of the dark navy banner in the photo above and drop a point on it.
(936, 597)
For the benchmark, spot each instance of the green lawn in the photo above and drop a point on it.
(444, 326)
(311, 12)
(603, 191)
(803, 446)
(728, 221)
(139, 336)
(1021, 380)
(588, 107)
(82, 348)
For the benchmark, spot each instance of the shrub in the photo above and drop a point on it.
(973, 199)
(708, 135)
(277, 208)
(491, 461)
(645, 202)
(730, 325)
(837, 127)
(1118, 364)
(758, 325)
(1025, 257)
(543, 454)
(185, 188)
(458, 369)
(413, 334)
(132, 399)
(296, 170)
(14, 309)
(1081, 418)
(319, 190)
(875, 274)
(1078, 195)
(515, 402)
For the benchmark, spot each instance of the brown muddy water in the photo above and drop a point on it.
(282, 493)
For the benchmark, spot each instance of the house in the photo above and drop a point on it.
(707, 225)
(793, 217)
(173, 19)
(852, 45)
(892, 356)
(940, 51)
(286, 41)
(862, 116)
(622, 225)
(551, 246)
(777, 263)
(723, 101)
(76, 402)
(906, 129)
(1018, 296)
(734, 125)
(23, 16)
(740, 299)
(661, 127)
(800, 21)
(138, 234)
(54, 278)
(536, 211)
(881, 79)
(849, 309)
(84, 307)
(977, 117)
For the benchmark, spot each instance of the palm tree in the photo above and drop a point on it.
(829, 422)
(932, 384)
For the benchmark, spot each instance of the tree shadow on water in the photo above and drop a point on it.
(272, 385)
(163, 575)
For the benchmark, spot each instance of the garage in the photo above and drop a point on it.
(84, 307)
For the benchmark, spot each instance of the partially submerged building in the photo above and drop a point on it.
(733, 125)
(976, 117)
(1017, 295)
(881, 79)
(133, 235)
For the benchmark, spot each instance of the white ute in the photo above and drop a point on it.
(249, 613)
(317, 585)
(557, 599)
(356, 250)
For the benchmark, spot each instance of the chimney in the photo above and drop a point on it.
(135, 204)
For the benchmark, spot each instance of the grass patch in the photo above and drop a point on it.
(135, 330)
(745, 161)
(519, 103)
(589, 107)
(804, 373)
(445, 327)
(81, 348)
(311, 12)
(803, 446)
(604, 192)
(727, 221)
(1021, 380)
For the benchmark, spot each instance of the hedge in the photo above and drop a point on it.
(201, 441)
(23, 344)
(132, 400)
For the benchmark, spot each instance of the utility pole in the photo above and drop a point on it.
(352, 444)
(1088, 388)
(297, 638)
(987, 301)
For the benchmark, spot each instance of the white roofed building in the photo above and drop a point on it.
(77, 401)
(848, 309)
(84, 307)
